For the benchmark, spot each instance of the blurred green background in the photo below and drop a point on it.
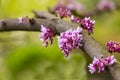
(22, 56)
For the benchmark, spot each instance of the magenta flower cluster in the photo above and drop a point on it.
(88, 24)
(99, 64)
(72, 4)
(69, 40)
(113, 46)
(75, 19)
(110, 60)
(23, 19)
(46, 35)
(62, 11)
(106, 4)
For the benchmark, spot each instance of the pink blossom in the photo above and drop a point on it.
(88, 24)
(20, 19)
(113, 46)
(106, 4)
(73, 5)
(46, 35)
(110, 60)
(92, 68)
(69, 40)
(99, 64)
(23, 19)
(62, 11)
(75, 19)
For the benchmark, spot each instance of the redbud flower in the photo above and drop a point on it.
(20, 19)
(92, 68)
(110, 60)
(72, 5)
(113, 46)
(99, 64)
(69, 40)
(106, 4)
(75, 19)
(62, 11)
(23, 19)
(46, 35)
(118, 49)
(88, 24)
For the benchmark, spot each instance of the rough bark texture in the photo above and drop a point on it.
(90, 46)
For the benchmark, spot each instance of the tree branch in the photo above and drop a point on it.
(44, 15)
(90, 46)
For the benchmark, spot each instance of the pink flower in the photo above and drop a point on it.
(46, 35)
(62, 11)
(75, 19)
(88, 24)
(20, 19)
(72, 5)
(110, 60)
(113, 46)
(106, 4)
(23, 19)
(99, 64)
(92, 68)
(69, 40)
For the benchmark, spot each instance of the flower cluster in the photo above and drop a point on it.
(46, 35)
(113, 46)
(69, 40)
(88, 24)
(75, 19)
(100, 64)
(110, 60)
(97, 64)
(23, 19)
(62, 11)
(106, 4)
(72, 4)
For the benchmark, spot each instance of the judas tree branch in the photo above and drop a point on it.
(44, 15)
(91, 47)
(95, 12)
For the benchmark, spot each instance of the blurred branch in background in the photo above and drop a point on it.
(80, 10)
